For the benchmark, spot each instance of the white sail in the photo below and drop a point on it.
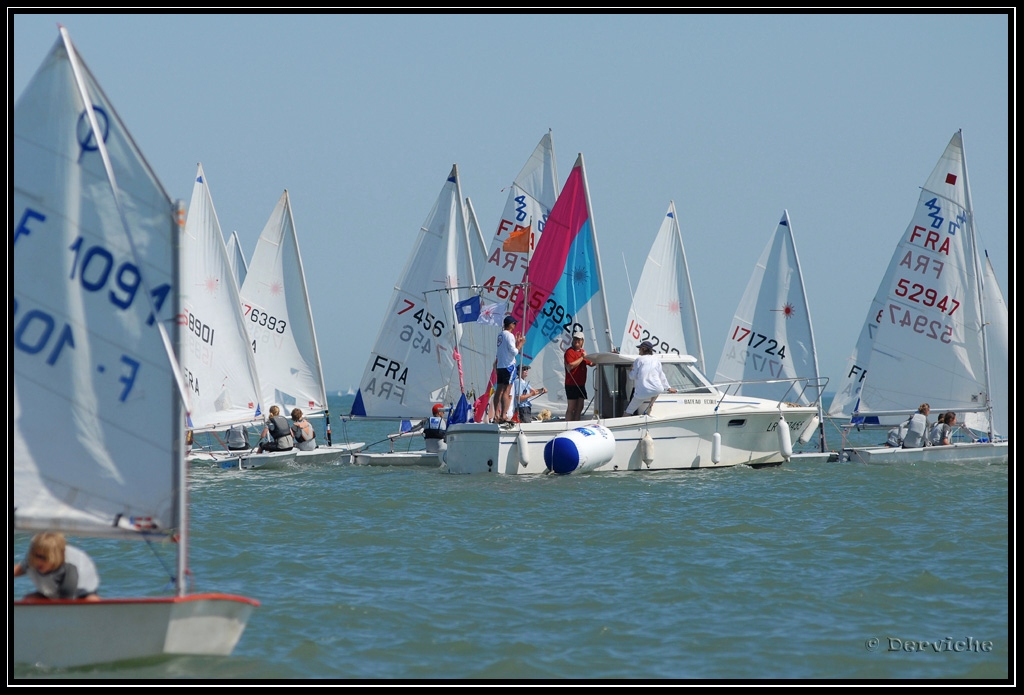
(236, 259)
(276, 310)
(97, 417)
(411, 364)
(928, 346)
(771, 336)
(998, 339)
(220, 372)
(663, 309)
(476, 344)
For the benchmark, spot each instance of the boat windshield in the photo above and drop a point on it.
(684, 378)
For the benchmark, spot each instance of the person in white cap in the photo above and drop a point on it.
(649, 380)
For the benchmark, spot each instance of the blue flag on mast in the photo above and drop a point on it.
(468, 310)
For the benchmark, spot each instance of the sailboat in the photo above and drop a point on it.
(98, 287)
(936, 332)
(276, 310)
(771, 341)
(220, 371)
(413, 361)
(696, 426)
(663, 310)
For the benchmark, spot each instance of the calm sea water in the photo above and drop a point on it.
(810, 571)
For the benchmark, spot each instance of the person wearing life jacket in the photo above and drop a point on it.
(917, 428)
(236, 438)
(277, 434)
(942, 431)
(434, 429)
(896, 434)
(302, 431)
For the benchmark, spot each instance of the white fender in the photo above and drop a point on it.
(806, 435)
(442, 452)
(580, 449)
(716, 447)
(785, 442)
(647, 448)
(523, 450)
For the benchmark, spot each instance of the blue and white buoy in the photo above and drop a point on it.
(579, 450)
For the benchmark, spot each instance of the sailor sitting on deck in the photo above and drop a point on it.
(302, 431)
(917, 428)
(277, 434)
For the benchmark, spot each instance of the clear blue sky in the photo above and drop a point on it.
(837, 118)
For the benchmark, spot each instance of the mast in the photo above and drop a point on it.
(976, 261)
(597, 257)
(181, 477)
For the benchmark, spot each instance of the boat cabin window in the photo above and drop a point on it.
(615, 390)
(685, 379)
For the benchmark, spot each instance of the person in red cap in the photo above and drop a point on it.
(434, 429)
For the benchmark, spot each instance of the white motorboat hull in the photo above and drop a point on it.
(961, 452)
(680, 441)
(396, 458)
(76, 633)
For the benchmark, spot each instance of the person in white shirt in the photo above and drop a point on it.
(648, 380)
(524, 392)
(505, 368)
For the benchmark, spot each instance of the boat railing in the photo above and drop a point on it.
(801, 388)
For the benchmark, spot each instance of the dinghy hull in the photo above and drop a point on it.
(75, 633)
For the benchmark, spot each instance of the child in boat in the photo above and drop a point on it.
(917, 428)
(58, 570)
(302, 431)
(942, 431)
(277, 433)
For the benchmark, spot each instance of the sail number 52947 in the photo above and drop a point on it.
(920, 324)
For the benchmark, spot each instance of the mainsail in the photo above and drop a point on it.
(97, 417)
(220, 373)
(929, 343)
(412, 362)
(663, 309)
(771, 336)
(276, 309)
